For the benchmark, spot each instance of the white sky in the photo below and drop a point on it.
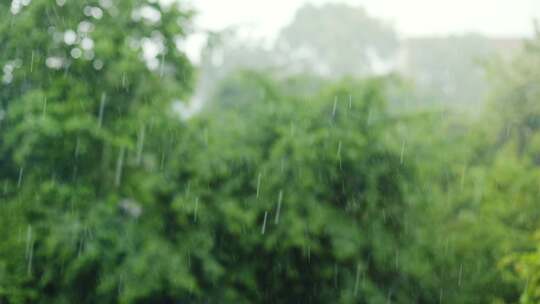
(411, 17)
(502, 18)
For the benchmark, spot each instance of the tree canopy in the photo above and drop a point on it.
(284, 188)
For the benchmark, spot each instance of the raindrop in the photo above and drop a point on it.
(81, 245)
(32, 62)
(101, 109)
(263, 228)
(460, 273)
(339, 154)
(335, 107)
(357, 280)
(19, 181)
(140, 144)
(402, 152)
(162, 162)
(124, 80)
(29, 250)
(462, 183)
(188, 188)
(258, 184)
(280, 198)
(196, 208)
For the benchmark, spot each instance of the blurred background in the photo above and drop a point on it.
(165, 151)
(438, 45)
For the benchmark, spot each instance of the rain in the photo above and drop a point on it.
(299, 151)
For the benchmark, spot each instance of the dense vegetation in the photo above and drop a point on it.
(283, 189)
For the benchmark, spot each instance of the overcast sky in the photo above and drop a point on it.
(411, 17)
(501, 18)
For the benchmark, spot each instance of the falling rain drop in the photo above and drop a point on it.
(460, 273)
(80, 248)
(258, 185)
(463, 171)
(162, 161)
(263, 228)
(334, 108)
(140, 144)
(124, 80)
(28, 239)
(29, 250)
(32, 62)
(402, 152)
(101, 109)
(339, 154)
(196, 209)
(278, 211)
(357, 280)
(19, 181)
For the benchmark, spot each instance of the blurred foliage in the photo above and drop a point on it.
(283, 189)
(449, 70)
(337, 39)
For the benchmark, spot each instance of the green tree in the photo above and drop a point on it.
(327, 193)
(337, 40)
(86, 126)
(514, 107)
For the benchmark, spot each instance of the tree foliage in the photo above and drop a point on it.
(285, 188)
